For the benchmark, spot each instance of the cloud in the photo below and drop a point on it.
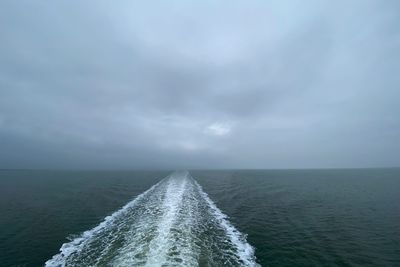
(218, 129)
(222, 84)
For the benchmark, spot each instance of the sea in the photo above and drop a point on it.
(315, 217)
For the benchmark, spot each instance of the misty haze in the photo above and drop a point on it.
(199, 133)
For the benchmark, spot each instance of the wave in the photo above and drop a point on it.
(174, 223)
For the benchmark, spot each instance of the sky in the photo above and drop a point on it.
(99, 84)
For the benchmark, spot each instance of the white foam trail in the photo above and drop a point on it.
(244, 250)
(174, 223)
(59, 260)
(161, 244)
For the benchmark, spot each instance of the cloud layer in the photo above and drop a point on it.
(211, 84)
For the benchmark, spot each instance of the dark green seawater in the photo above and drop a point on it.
(290, 217)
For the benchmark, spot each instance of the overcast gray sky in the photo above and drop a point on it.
(205, 84)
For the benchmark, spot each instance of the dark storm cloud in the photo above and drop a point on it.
(95, 84)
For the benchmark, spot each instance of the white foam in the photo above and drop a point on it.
(78, 243)
(161, 244)
(154, 240)
(164, 226)
(244, 250)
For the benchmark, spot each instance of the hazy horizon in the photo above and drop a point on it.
(198, 169)
(199, 85)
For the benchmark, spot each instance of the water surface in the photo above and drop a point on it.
(290, 217)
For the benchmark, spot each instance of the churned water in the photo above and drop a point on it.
(200, 218)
